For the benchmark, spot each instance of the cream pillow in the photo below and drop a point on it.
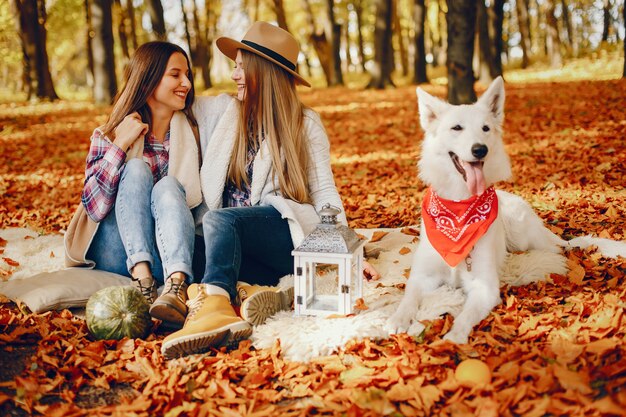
(57, 290)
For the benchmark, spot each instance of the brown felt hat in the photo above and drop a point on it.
(270, 42)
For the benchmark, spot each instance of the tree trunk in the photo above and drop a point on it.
(209, 35)
(349, 61)
(320, 44)
(606, 20)
(132, 27)
(553, 41)
(335, 41)
(506, 35)
(436, 35)
(201, 56)
(569, 30)
(188, 33)
(461, 23)
(307, 61)
(32, 22)
(256, 10)
(397, 28)
(358, 10)
(26, 82)
(90, 82)
(155, 10)
(121, 31)
(382, 67)
(483, 52)
(419, 61)
(105, 83)
(523, 21)
(279, 10)
(496, 20)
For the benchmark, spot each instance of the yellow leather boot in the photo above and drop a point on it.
(258, 302)
(210, 321)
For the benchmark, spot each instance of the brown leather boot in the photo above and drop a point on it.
(210, 321)
(146, 286)
(171, 306)
(258, 302)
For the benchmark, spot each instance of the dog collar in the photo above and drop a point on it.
(454, 227)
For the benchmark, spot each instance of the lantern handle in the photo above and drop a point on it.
(330, 206)
(328, 214)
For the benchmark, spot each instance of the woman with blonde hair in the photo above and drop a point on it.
(142, 181)
(266, 171)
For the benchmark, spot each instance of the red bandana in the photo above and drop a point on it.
(454, 227)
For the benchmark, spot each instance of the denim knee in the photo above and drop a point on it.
(137, 171)
(168, 188)
(217, 219)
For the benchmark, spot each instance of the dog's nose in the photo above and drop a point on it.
(479, 150)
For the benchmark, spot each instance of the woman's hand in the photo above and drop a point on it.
(129, 130)
(369, 272)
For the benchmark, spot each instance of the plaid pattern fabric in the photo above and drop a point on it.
(105, 164)
(233, 196)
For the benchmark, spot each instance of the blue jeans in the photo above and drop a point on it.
(149, 223)
(251, 244)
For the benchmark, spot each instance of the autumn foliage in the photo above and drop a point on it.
(553, 348)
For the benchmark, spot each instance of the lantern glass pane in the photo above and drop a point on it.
(322, 287)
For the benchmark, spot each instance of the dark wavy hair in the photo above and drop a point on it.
(141, 78)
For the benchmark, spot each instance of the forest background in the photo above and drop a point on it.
(77, 49)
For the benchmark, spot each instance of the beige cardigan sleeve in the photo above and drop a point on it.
(321, 178)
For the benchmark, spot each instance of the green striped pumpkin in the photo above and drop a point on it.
(118, 312)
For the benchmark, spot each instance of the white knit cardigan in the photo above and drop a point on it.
(218, 119)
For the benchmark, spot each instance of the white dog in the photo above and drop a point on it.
(466, 226)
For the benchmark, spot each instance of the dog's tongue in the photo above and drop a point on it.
(475, 178)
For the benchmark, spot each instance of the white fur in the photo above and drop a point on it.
(517, 227)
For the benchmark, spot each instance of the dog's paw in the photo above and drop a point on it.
(398, 323)
(456, 337)
(416, 329)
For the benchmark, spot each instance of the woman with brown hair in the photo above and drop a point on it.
(142, 181)
(266, 171)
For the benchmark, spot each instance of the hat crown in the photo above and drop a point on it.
(267, 41)
(275, 39)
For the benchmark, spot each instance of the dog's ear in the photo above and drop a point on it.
(494, 99)
(430, 108)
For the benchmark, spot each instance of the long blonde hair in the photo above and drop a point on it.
(271, 109)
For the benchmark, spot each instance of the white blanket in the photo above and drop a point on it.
(304, 338)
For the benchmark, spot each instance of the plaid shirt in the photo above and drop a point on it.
(233, 196)
(105, 164)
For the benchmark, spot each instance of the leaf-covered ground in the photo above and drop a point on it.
(554, 348)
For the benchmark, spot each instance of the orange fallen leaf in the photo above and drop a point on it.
(411, 231)
(378, 235)
(11, 262)
(572, 380)
(373, 399)
(404, 250)
(576, 273)
(401, 392)
(601, 346)
(360, 304)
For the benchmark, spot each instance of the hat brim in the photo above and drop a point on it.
(230, 46)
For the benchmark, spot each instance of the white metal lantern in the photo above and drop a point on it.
(328, 268)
